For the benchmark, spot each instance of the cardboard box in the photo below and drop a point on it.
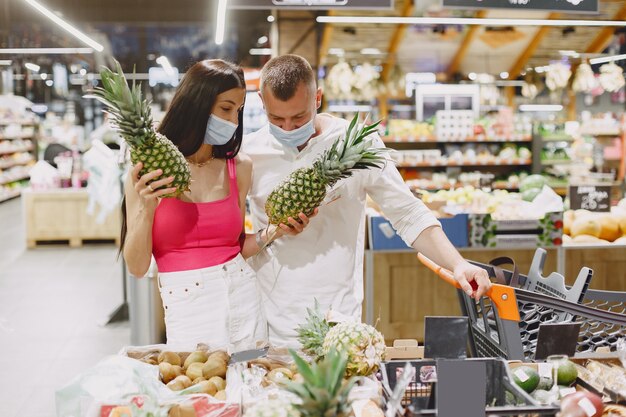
(487, 232)
(404, 349)
(382, 235)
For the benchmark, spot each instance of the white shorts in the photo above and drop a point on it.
(219, 306)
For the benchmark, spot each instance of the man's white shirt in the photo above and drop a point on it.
(325, 261)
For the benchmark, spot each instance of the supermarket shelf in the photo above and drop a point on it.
(395, 140)
(10, 196)
(558, 139)
(448, 188)
(27, 149)
(601, 133)
(15, 164)
(19, 136)
(23, 122)
(476, 164)
(557, 162)
(23, 177)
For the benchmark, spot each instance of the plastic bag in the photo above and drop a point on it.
(115, 380)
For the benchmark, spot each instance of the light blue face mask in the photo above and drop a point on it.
(219, 131)
(296, 137)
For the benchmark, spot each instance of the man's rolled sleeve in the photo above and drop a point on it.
(407, 214)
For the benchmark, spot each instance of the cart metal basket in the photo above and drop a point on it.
(495, 332)
(503, 396)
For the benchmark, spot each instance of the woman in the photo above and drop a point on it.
(209, 293)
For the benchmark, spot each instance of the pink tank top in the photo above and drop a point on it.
(188, 236)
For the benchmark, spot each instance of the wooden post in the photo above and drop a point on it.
(457, 60)
(520, 63)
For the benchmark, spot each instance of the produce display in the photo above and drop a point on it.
(305, 189)
(465, 155)
(585, 227)
(131, 116)
(192, 373)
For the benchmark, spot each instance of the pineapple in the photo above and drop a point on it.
(312, 333)
(305, 188)
(272, 408)
(130, 115)
(363, 344)
(323, 391)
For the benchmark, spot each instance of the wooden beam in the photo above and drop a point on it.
(396, 39)
(603, 37)
(520, 63)
(464, 47)
(327, 35)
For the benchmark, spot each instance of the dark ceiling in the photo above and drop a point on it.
(136, 29)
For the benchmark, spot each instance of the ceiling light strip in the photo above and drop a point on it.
(605, 59)
(44, 51)
(71, 29)
(393, 20)
(220, 27)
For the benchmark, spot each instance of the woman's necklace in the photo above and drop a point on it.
(201, 164)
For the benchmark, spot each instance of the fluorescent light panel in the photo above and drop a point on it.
(220, 28)
(540, 107)
(32, 67)
(165, 63)
(44, 51)
(370, 51)
(71, 29)
(261, 51)
(605, 59)
(466, 21)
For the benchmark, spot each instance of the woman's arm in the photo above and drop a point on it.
(141, 204)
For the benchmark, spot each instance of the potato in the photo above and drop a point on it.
(194, 370)
(167, 371)
(220, 354)
(220, 383)
(169, 357)
(220, 395)
(197, 356)
(214, 367)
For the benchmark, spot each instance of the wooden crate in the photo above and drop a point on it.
(61, 215)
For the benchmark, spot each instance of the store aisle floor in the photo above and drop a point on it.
(52, 303)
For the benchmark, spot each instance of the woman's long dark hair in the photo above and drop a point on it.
(186, 119)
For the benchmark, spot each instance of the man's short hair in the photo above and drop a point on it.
(283, 74)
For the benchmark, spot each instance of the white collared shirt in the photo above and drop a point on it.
(325, 261)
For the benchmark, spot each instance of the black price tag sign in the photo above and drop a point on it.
(590, 197)
(570, 6)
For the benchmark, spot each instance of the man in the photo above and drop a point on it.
(326, 262)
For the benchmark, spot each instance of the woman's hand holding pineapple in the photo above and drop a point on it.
(150, 191)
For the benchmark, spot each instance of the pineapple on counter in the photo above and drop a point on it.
(131, 116)
(362, 343)
(305, 189)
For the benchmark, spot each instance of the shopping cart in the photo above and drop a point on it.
(503, 396)
(505, 323)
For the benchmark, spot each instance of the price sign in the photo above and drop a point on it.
(590, 197)
(311, 4)
(570, 6)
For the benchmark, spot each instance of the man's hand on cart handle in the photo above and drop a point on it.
(472, 279)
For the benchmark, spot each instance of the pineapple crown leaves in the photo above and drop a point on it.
(311, 334)
(352, 152)
(323, 391)
(130, 114)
